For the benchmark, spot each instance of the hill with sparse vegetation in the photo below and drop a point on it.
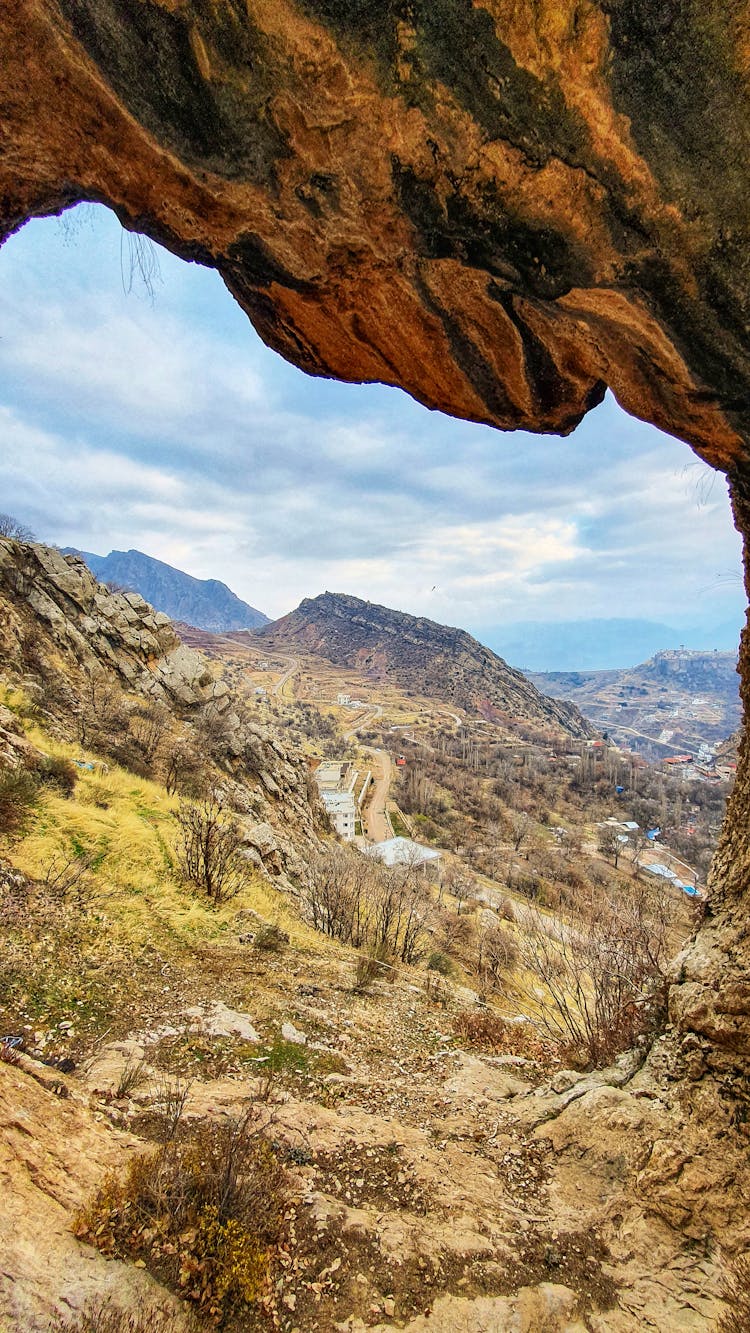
(418, 655)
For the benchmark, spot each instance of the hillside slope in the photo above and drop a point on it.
(419, 655)
(204, 603)
(679, 698)
(105, 670)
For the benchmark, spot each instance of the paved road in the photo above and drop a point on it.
(291, 670)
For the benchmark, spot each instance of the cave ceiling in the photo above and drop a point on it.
(504, 207)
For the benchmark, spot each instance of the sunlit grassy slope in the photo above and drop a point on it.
(126, 824)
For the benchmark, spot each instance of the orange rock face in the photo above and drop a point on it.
(503, 207)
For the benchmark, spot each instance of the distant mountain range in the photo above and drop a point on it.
(671, 703)
(204, 603)
(417, 655)
(600, 645)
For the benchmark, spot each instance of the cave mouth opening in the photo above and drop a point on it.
(114, 343)
(141, 410)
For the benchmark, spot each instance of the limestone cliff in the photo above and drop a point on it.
(79, 649)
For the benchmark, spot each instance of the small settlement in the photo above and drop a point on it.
(343, 789)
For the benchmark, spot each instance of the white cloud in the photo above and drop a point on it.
(171, 428)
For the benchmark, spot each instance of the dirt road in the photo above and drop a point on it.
(374, 821)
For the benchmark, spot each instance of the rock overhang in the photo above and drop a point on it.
(503, 209)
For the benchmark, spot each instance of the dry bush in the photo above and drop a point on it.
(18, 796)
(604, 973)
(736, 1296)
(209, 848)
(439, 962)
(271, 938)
(203, 1213)
(487, 1031)
(58, 773)
(66, 871)
(372, 966)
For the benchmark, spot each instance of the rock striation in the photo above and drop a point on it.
(420, 656)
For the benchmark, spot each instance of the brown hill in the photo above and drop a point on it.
(418, 655)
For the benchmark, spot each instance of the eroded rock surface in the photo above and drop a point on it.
(78, 647)
(503, 208)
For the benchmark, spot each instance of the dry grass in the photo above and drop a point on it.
(736, 1296)
(126, 824)
(103, 1317)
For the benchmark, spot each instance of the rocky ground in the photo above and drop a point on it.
(432, 1186)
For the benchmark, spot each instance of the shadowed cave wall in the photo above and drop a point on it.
(503, 206)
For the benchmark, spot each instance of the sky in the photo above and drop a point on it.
(150, 415)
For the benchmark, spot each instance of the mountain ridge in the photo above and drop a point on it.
(207, 604)
(419, 654)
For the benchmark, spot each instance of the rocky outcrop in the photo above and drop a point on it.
(97, 627)
(73, 643)
(418, 655)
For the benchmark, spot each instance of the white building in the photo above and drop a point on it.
(341, 812)
(403, 851)
(343, 699)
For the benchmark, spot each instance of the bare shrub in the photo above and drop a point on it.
(357, 900)
(488, 1031)
(149, 728)
(66, 871)
(497, 953)
(209, 848)
(604, 973)
(203, 1213)
(371, 967)
(102, 715)
(184, 770)
(169, 1099)
(18, 796)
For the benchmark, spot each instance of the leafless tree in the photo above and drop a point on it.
(209, 848)
(149, 727)
(11, 527)
(609, 843)
(183, 769)
(497, 953)
(603, 974)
